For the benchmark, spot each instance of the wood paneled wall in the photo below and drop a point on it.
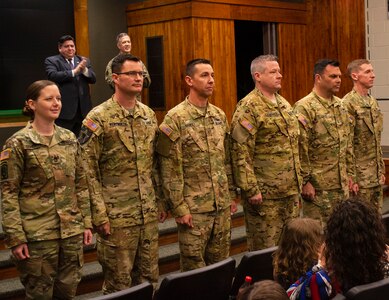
(152, 11)
(81, 26)
(186, 39)
(307, 31)
(335, 29)
(175, 36)
(293, 60)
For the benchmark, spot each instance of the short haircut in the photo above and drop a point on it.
(190, 66)
(120, 35)
(65, 38)
(355, 64)
(119, 60)
(258, 63)
(321, 64)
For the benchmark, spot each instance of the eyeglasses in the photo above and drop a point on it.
(133, 73)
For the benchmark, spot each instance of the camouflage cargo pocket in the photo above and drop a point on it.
(29, 266)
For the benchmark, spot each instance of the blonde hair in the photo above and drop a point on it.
(356, 64)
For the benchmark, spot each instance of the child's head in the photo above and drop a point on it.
(298, 248)
(265, 290)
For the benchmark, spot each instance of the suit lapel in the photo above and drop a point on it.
(65, 63)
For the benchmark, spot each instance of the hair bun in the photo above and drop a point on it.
(27, 111)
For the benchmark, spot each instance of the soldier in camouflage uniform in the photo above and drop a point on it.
(366, 127)
(265, 156)
(119, 137)
(196, 173)
(323, 143)
(123, 42)
(45, 199)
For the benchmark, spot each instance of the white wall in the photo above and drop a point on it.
(377, 49)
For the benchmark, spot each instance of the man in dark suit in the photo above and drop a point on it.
(73, 74)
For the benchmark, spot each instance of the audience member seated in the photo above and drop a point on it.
(298, 250)
(354, 253)
(264, 290)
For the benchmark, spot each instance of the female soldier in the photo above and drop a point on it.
(45, 199)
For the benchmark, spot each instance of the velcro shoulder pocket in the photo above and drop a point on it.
(164, 144)
(240, 134)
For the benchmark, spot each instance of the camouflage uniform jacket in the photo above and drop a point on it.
(43, 187)
(366, 129)
(193, 148)
(108, 75)
(265, 147)
(324, 142)
(120, 153)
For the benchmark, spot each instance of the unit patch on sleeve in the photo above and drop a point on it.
(84, 135)
(4, 170)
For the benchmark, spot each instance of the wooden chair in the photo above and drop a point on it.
(210, 282)
(257, 264)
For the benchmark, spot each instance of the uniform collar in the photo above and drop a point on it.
(138, 109)
(36, 138)
(268, 102)
(195, 113)
(325, 102)
(363, 101)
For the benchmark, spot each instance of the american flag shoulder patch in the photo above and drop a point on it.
(5, 154)
(246, 124)
(302, 120)
(91, 125)
(166, 129)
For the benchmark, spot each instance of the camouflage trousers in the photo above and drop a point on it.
(321, 207)
(264, 222)
(207, 242)
(53, 270)
(373, 195)
(129, 256)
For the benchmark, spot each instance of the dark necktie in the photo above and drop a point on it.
(71, 63)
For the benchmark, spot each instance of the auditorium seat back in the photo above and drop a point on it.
(378, 290)
(257, 264)
(210, 282)
(143, 291)
(339, 297)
